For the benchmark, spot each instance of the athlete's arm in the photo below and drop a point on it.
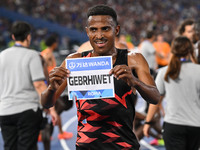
(144, 84)
(57, 83)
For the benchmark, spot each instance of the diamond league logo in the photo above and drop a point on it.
(72, 65)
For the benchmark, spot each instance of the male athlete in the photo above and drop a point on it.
(107, 123)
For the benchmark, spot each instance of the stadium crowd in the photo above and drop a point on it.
(140, 15)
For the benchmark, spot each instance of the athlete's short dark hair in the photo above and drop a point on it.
(20, 30)
(102, 10)
(51, 40)
(186, 22)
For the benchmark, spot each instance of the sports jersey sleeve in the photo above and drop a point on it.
(160, 81)
(36, 69)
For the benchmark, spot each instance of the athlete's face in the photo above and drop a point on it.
(189, 32)
(102, 31)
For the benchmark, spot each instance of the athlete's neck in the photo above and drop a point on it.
(112, 52)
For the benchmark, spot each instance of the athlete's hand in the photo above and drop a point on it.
(146, 129)
(57, 76)
(125, 73)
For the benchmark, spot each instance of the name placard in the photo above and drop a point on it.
(89, 78)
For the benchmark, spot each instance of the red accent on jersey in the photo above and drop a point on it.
(114, 123)
(84, 138)
(94, 116)
(112, 136)
(124, 144)
(87, 105)
(123, 100)
(88, 128)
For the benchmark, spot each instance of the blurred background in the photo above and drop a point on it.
(66, 19)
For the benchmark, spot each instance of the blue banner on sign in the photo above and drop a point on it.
(91, 94)
(99, 63)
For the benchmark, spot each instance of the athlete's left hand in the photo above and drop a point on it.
(125, 73)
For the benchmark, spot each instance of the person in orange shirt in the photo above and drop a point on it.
(162, 51)
(123, 38)
(51, 43)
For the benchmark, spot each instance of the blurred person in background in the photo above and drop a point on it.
(187, 29)
(148, 51)
(52, 43)
(127, 41)
(162, 51)
(179, 83)
(197, 36)
(22, 81)
(47, 126)
(139, 124)
(85, 47)
(119, 43)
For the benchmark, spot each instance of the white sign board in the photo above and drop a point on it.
(89, 78)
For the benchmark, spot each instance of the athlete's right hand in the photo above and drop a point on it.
(57, 76)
